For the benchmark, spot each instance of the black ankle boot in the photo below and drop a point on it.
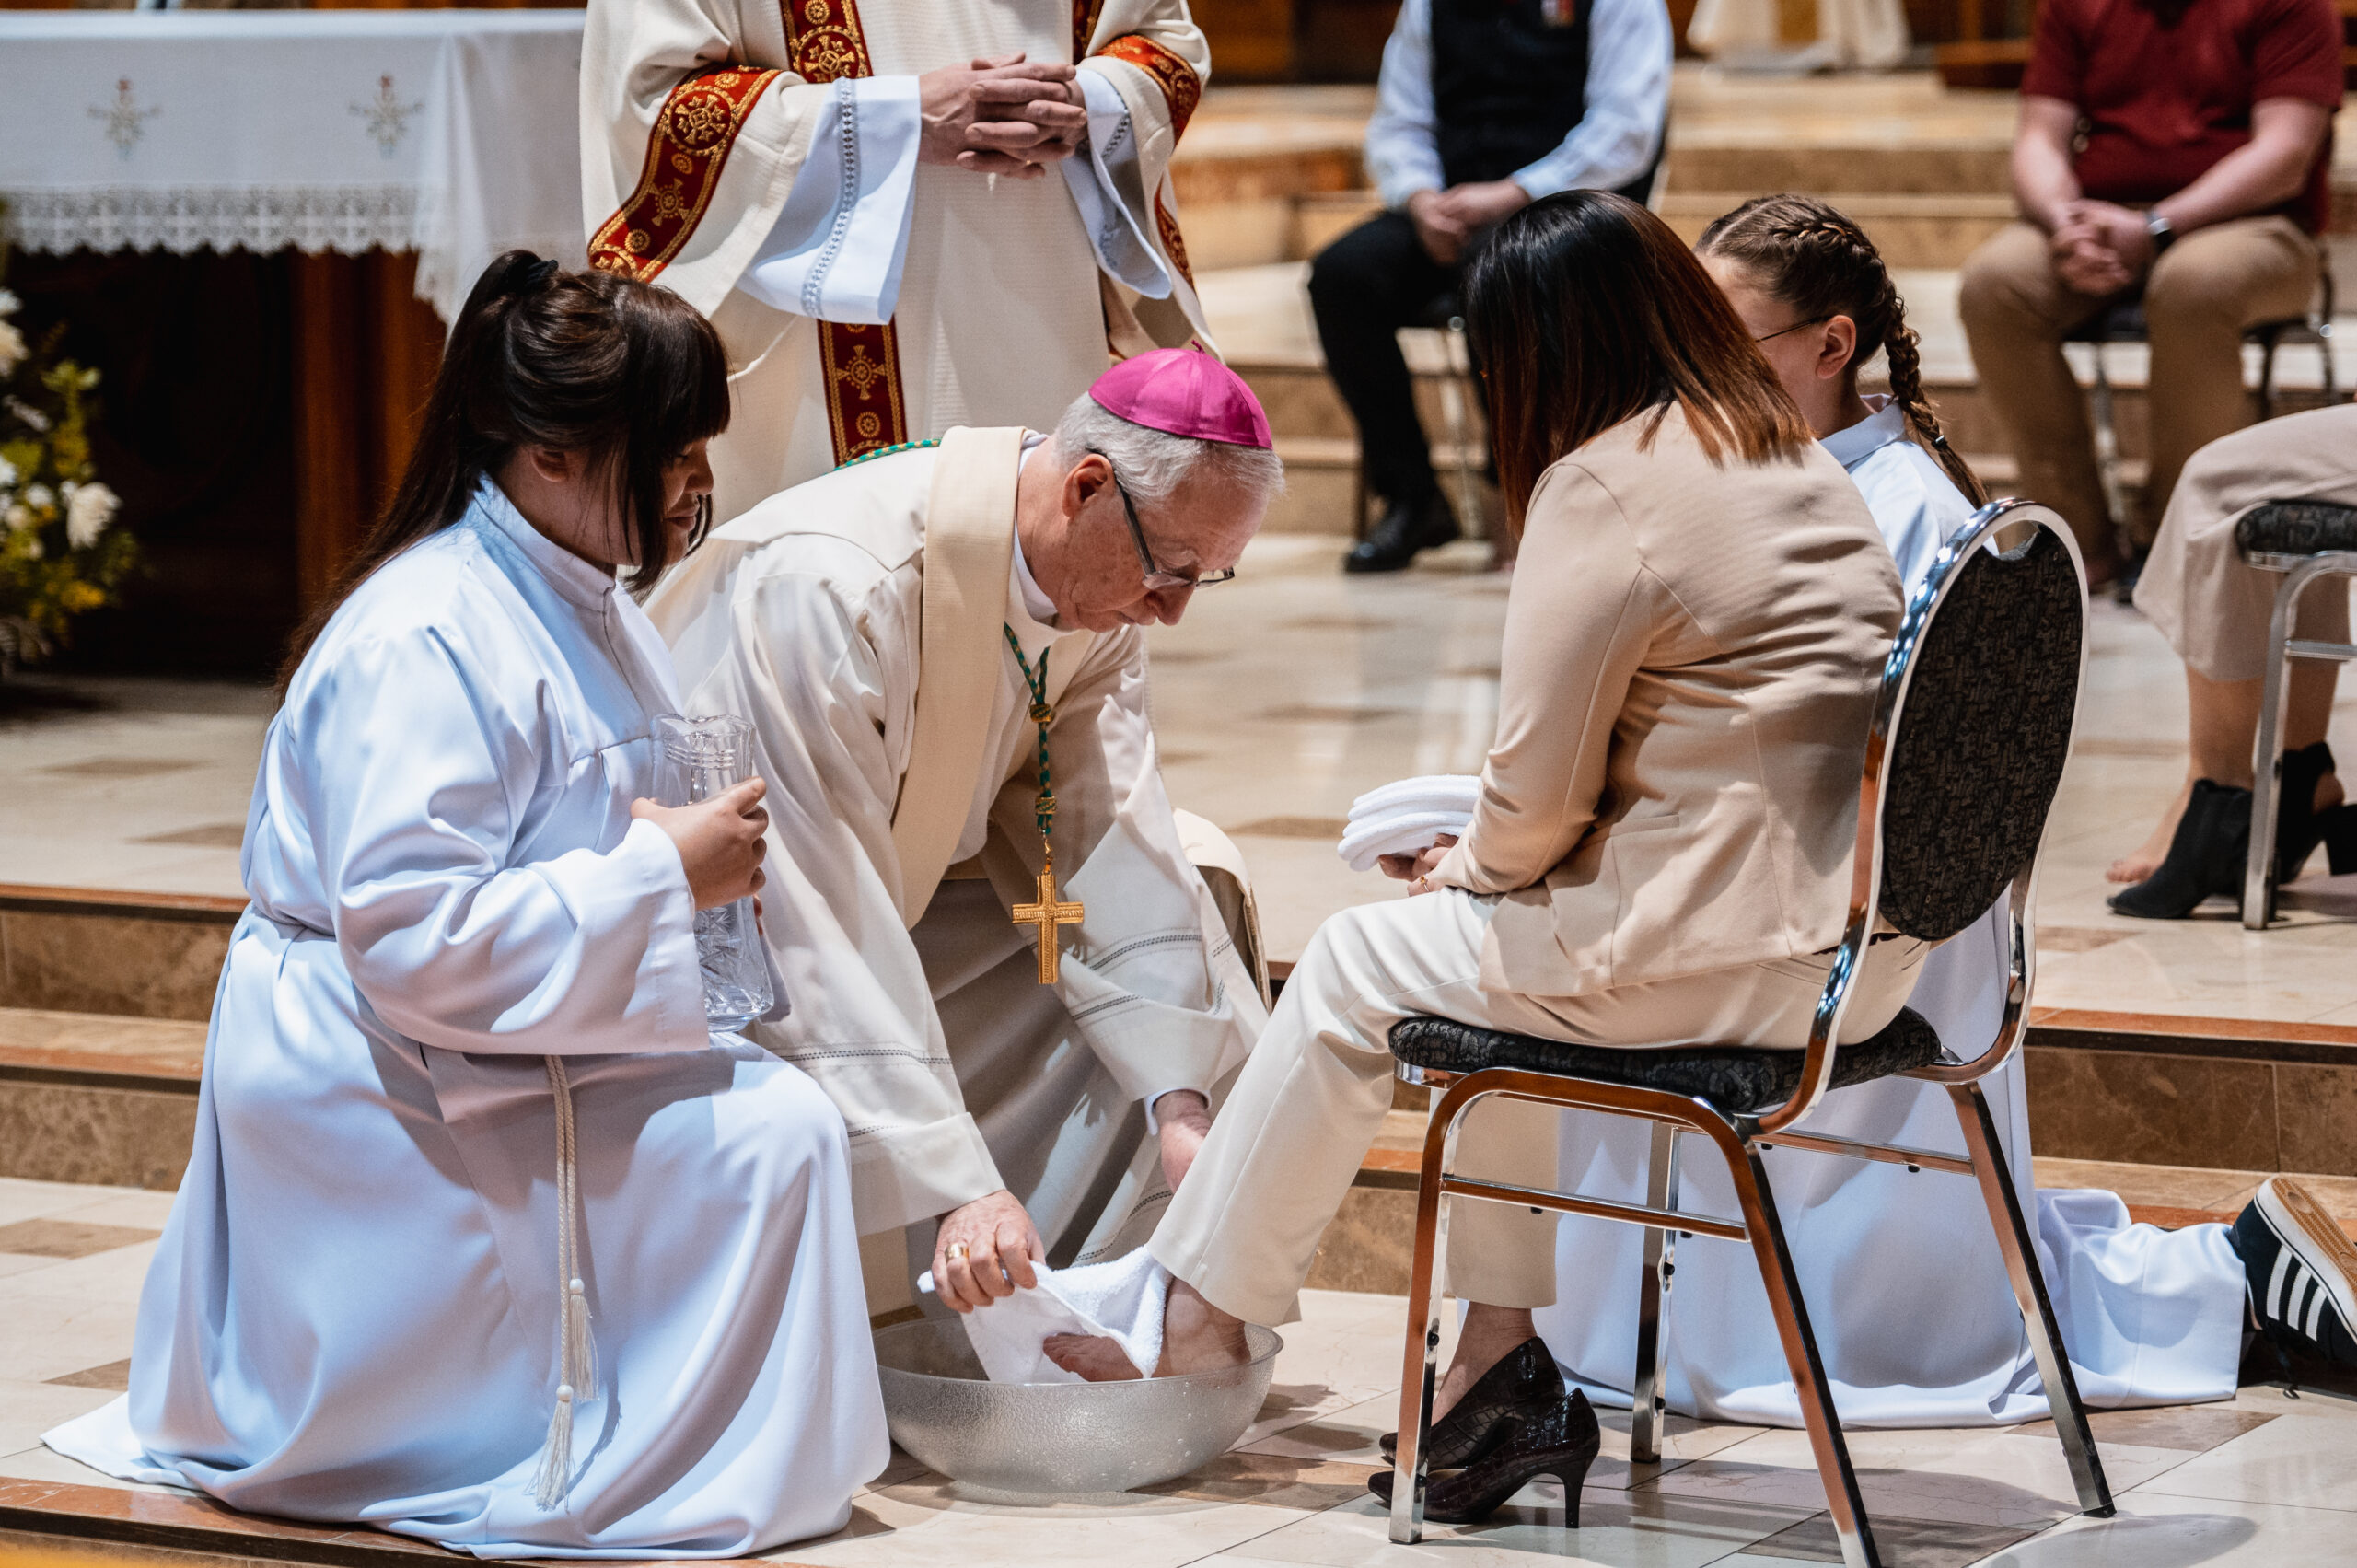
(1405, 527)
(2299, 826)
(2206, 856)
(1524, 1385)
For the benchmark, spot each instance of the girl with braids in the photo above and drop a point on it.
(2149, 1317)
(1820, 302)
(484, 1239)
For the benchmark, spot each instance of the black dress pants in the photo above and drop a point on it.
(1363, 288)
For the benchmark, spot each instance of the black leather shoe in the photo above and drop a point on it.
(1524, 1385)
(2206, 856)
(1405, 527)
(1562, 1442)
(2339, 828)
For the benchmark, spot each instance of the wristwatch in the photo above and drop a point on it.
(2163, 233)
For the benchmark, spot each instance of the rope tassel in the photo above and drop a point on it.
(577, 1351)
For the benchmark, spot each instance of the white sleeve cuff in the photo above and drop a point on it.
(836, 252)
(1097, 179)
(1154, 1122)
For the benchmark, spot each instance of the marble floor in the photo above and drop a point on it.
(2266, 1477)
(1279, 699)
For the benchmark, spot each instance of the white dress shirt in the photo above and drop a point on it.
(1628, 52)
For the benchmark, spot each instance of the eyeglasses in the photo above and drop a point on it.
(1793, 328)
(1157, 578)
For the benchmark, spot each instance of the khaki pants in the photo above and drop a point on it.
(2214, 609)
(2203, 293)
(1245, 1224)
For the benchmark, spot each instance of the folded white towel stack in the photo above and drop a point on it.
(1408, 816)
(1121, 1300)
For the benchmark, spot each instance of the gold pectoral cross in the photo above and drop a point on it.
(1044, 917)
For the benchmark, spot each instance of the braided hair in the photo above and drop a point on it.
(1809, 256)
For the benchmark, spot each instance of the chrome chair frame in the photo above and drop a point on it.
(2259, 896)
(1739, 1141)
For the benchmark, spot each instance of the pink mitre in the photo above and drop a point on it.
(1186, 392)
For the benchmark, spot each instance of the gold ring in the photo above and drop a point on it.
(956, 1252)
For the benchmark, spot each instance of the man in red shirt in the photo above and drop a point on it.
(2175, 150)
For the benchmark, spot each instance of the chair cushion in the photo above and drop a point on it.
(1735, 1079)
(2296, 528)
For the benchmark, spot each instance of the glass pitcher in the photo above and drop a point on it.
(702, 758)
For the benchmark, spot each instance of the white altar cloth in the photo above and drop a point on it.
(454, 133)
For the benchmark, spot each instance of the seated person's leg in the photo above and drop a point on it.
(1363, 288)
(2204, 291)
(2016, 311)
(2215, 611)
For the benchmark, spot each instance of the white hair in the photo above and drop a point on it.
(1153, 464)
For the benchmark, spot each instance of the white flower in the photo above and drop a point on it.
(88, 510)
(7, 473)
(20, 516)
(8, 303)
(12, 348)
(40, 498)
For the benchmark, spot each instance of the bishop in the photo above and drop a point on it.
(943, 652)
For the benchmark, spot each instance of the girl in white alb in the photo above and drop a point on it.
(1906, 1294)
(486, 1238)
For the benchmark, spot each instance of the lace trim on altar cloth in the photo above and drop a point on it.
(267, 217)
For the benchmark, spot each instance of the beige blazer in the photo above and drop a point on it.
(1690, 657)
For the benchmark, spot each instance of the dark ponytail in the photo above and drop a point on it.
(1811, 257)
(583, 362)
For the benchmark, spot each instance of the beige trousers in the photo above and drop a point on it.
(2214, 609)
(1245, 1224)
(2203, 293)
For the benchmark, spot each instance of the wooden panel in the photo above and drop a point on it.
(1252, 41)
(366, 350)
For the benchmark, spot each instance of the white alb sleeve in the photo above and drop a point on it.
(1402, 145)
(1106, 187)
(836, 252)
(1628, 50)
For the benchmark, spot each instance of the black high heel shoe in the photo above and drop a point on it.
(1523, 1386)
(1561, 1443)
(2206, 856)
(2339, 828)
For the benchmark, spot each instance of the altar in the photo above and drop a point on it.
(344, 175)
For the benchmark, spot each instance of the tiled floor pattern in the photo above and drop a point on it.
(2265, 1479)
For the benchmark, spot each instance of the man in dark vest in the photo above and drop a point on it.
(1485, 106)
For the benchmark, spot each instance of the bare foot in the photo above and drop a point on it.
(1096, 1358)
(2136, 868)
(1196, 1337)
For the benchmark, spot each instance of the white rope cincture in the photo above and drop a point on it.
(576, 1352)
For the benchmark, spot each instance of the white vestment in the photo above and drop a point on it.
(353, 1314)
(917, 1008)
(1905, 1288)
(762, 161)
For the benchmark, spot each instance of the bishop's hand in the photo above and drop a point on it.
(985, 1250)
(719, 841)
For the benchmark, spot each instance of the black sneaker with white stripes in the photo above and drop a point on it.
(2302, 1269)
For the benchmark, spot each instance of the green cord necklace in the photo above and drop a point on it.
(1046, 913)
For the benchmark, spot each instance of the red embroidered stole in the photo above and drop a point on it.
(859, 363)
(1183, 90)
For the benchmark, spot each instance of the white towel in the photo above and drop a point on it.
(1121, 1301)
(1408, 816)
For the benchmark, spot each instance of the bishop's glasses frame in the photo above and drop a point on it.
(1157, 578)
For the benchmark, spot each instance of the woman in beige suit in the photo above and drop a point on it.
(1660, 854)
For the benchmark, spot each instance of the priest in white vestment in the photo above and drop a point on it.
(820, 179)
(882, 628)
